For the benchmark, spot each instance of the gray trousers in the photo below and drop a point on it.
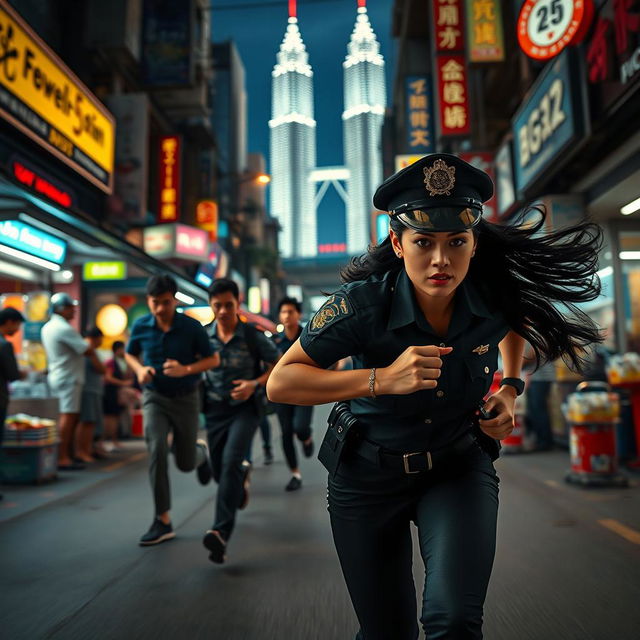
(162, 415)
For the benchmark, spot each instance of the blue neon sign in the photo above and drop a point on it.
(33, 241)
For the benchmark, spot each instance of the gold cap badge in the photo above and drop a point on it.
(439, 178)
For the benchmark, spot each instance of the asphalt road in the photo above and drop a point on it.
(567, 568)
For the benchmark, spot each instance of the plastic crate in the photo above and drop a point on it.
(29, 464)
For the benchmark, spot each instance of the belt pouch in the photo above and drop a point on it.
(489, 444)
(340, 431)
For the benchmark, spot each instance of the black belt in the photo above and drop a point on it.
(416, 461)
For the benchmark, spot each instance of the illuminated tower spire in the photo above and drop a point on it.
(364, 105)
(293, 144)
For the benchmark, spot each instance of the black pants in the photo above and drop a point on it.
(294, 420)
(455, 510)
(229, 433)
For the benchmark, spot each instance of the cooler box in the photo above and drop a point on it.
(28, 464)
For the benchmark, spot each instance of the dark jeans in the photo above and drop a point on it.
(265, 432)
(293, 420)
(162, 414)
(538, 421)
(455, 510)
(229, 432)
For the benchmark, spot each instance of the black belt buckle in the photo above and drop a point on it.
(407, 464)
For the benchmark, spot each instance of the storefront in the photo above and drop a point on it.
(574, 146)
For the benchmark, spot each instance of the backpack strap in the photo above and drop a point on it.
(251, 338)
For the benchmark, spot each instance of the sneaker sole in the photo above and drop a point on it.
(162, 538)
(216, 547)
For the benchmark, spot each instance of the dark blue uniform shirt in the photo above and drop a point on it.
(374, 321)
(236, 361)
(283, 344)
(185, 342)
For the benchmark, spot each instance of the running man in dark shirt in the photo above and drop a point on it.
(294, 419)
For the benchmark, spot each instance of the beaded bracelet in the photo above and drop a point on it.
(372, 382)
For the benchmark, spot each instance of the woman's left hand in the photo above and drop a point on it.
(502, 402)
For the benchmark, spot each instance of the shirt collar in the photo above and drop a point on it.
(404, 308)
(239, 330)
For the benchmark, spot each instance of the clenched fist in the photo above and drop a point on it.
(415, 369)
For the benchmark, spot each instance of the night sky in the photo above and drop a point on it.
(257, 27)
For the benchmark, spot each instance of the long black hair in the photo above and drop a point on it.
(540, 279)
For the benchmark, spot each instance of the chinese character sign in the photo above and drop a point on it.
(419, 114)
(448, 25)
(169, 206)
(484, 161)
(484, 31)
(453, 96)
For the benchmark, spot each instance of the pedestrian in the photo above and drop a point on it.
(66, 351)
(90, 401)
(539, 434)
(234, 404)
(10, 322)
(294, 420)
(168, 351)
(118, 381)
(424, 315)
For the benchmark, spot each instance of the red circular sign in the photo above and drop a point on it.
(546, 27)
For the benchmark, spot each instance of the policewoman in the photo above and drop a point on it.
(424, 316)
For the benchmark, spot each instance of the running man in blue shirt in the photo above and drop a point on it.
(168, 352)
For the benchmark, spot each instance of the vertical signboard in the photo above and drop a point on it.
(419, 115)
(166, 43)
(485, 39)
(505, 190)
(207, 218)
(130, 188)
(453, 96)
(448, 25)
(613, 57)
(548, 125)
(169, 205)
(484, 161)
(450, 68)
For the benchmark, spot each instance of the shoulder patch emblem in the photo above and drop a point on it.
(335, 308)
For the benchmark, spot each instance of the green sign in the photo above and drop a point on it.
(104, 271)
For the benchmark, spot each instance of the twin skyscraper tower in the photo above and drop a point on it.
(295, 190)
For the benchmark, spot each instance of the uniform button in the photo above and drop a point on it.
(340, 429)
(427, 420)
(440, 394)
(442, 344)
(486, 369)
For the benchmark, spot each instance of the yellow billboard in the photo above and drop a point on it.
(46, 101)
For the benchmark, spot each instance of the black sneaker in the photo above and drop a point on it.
(204, 469)
(294, 484)
(246, 481)
(158, 532)
(268, 456)
(216, 544)
(307, 448)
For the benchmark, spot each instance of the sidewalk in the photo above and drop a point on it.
(20, 499)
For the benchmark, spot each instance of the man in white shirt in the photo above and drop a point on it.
(66, 350)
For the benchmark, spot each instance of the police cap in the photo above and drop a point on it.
(439, 192)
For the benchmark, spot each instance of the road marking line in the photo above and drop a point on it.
(552, 483)
(122, 463)
(622, 530)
